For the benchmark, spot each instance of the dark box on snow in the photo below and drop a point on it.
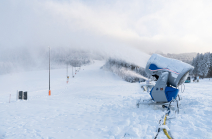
(22, 95)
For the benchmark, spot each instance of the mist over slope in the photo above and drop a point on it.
(29, 27)
(20, 59)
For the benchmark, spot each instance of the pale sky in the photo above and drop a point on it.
(173, 26)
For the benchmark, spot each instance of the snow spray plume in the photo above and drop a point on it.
(132, 73)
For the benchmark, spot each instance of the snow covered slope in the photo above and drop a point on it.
(95, 104)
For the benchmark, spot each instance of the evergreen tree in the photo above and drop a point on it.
(210, 68)
(194, 64)
(200, 65)
(205, 64)
(196, 61)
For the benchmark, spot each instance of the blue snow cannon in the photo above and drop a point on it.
(170, 74)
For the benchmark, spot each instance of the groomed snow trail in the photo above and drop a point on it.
(95, 104)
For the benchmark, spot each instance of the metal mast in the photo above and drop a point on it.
(49, 73)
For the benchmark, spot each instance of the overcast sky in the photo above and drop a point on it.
(173, 26)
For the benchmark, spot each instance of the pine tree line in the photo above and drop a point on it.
(202, 65)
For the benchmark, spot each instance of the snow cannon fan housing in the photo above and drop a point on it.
(168, 72)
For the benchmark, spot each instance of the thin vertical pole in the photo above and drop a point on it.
(67, 74)
(49, 73)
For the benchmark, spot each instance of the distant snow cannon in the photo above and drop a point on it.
(170, 74)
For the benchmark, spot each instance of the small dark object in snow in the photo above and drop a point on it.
(22, 95)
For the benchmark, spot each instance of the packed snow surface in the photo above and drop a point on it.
(96, 104)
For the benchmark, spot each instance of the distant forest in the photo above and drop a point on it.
(26, 59)
(203, 65)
